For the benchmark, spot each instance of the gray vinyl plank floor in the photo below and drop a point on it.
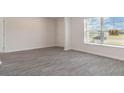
(55, 61)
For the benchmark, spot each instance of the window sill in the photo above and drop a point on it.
(106, 45)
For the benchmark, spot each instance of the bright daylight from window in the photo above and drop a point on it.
(104, 30)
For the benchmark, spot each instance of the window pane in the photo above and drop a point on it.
(94, 37)
(118, 19)
(113, 28)
(93, 27)
(107, 23)
(119, 25)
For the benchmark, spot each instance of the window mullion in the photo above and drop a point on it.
(101, 31)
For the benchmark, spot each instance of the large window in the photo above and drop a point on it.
(104, 30)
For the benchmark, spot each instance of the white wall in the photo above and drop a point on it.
(68, 35)
(1, 34)
(60, 32)
(29, 33)
(77, 42)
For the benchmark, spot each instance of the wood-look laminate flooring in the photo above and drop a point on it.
(55, 61)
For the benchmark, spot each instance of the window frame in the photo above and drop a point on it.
(86, 40)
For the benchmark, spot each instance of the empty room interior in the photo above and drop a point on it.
(61, 46)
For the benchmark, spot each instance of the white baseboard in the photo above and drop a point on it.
(121, 59)
(42, 45)
(61, 44)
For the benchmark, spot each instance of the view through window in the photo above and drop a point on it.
(104, 30)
